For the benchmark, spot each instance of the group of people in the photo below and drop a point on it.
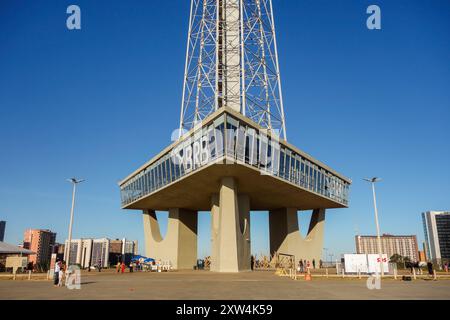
(120, 266)
(305, 265)
(416, 267)
(59, 273)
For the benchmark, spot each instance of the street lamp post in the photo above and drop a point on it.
(74, 182)
(373, 181)
(326, 254)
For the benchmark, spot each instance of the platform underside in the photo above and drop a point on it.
(266, 192)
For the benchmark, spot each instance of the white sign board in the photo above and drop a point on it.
(16, 262)
(355, 263)
(373, 261)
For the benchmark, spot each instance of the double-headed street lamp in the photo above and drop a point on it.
(373, 181)
(326, 254)
(74, 181)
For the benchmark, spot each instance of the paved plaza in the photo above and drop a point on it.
(189, 285)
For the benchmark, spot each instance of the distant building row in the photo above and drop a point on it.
(99, 252)
(85, 252)
(436, 226)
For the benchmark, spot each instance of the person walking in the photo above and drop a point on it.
(301, 265)
(99, 265)
(56, 273)
(122, 266)
(118, 266)
(430, 268)
(314, 263)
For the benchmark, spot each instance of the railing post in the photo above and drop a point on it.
(414, 273)
(326, 272)
(29, 274)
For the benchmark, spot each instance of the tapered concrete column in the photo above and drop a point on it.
(285, 236)
(230, 229)
(215, 218)
(180, 244)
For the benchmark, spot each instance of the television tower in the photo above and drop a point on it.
(231, 160)
(232, 60)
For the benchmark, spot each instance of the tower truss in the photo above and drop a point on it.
(232, 61)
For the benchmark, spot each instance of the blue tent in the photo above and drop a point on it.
(138, 257)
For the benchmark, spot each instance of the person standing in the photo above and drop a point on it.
(430, 268)
(314, 263)
(118, 266)
(61, 277)
(56, 273)
(123, 267)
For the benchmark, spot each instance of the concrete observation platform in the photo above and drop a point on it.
(229, 165)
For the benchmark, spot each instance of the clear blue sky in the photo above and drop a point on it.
(99, 102)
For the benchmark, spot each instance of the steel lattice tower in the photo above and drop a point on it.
(232, 60)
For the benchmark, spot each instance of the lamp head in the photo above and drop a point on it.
(373, 180)
(75, 181)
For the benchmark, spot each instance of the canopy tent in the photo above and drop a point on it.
(6, 248)
(142, 259)
(138, 257)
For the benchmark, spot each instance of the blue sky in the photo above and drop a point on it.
(99, 102)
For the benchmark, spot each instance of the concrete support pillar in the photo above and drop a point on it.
(215, 218)
(230, 229)
(180, 244)
(285, 236)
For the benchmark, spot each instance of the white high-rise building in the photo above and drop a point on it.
(80, 252)
(96, 252)
(436, 228)
(100, 252)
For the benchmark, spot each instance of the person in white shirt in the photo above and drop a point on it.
(56, 273)
(61, 277)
